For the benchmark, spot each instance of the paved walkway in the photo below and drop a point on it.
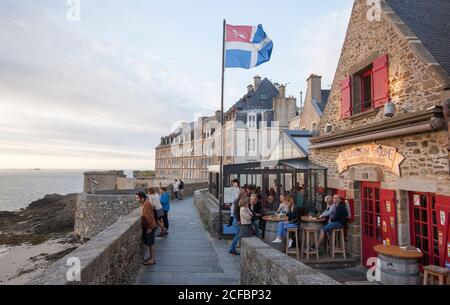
(188, 255)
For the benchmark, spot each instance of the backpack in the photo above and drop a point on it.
(181, 185)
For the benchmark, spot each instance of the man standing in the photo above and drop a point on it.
(148, 226)
(181, 189)
(175, 189)
(256, 209)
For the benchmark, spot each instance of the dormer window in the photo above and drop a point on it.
(251, 120)
(263, 97)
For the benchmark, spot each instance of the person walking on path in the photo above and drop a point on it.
(176, 186)
(158, 209)
(165, 202)
(236, 223)
(148, 226)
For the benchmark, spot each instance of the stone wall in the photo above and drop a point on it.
(106, 180)
(113, 257)
(263, 265)
(414, 83)
(94, 213)
(208, 209)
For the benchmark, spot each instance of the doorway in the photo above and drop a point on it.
(371, 219)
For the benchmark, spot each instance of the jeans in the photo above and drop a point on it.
(255, 224)
(237, 236)
(166, 220)
(282, 228)
(331, 226)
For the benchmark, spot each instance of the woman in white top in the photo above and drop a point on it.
(246, 217)
(284, 208)
(158, 210)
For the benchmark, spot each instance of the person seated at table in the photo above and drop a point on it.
(294, 217)
(284, 207)
(256, 209)
(330, 208)
(268, 205)
(338, 218)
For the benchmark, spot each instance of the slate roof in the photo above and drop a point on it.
(261, 98)
(430, 22)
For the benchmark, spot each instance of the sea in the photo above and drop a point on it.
(18, 188)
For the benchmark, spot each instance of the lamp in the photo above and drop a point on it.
(389, 109)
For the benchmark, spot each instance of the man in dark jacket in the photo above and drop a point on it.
(338, 219)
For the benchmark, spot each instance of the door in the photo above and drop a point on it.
(389, 217)
(424, 226)
(371, 219)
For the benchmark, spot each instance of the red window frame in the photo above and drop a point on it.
(424, 227)
(363, 75)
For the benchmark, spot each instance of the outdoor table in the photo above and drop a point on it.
(271, 227)
(398, 266)
(309, 222)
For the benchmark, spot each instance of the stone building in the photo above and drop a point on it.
(315, 101)
(383, 136)
(188, 151)
(254, 123)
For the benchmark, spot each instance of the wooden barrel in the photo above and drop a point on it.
(399, 271)
(271, 228)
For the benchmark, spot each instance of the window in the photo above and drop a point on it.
(424, 232)
(251, 121)
(263, 97)
(366, 89)
(251, 146)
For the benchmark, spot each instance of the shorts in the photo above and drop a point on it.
(332, 226)
(159, 214)
(149, 237)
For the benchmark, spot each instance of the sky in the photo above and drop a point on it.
(99, 92)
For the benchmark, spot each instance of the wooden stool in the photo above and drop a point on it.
(306, 232)
(433, 272)
(296, 251)
(337, 242)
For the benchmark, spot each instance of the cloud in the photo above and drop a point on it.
(67, 94)
(321, 44)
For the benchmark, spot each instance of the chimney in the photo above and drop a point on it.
(314, 91)
(282, 91)
(257, 81)
(250, 88)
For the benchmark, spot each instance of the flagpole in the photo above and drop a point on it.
(222, 116)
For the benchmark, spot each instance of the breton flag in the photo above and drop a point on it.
(246, 46)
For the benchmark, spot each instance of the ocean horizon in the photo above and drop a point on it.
(20, 187)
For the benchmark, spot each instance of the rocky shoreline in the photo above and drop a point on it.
(37, 236)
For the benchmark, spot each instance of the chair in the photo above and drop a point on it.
(306, 233)
(435, 272)
(297, 245)
(338, 242)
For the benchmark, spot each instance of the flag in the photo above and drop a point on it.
(246, 46)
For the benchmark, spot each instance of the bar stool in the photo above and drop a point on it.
(337, 242)
(435, 272)
(296, 251)
(306, 233)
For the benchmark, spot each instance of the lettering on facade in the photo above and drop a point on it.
(371, 154)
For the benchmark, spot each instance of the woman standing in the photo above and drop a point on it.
(165, 202)
(158, 210)
(246, 217)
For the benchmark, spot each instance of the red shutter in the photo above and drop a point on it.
(388, 207)
(346, 98)
(380, 81)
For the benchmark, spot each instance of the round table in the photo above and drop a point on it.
(398, 266)
(271, 228)
(309, 222)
